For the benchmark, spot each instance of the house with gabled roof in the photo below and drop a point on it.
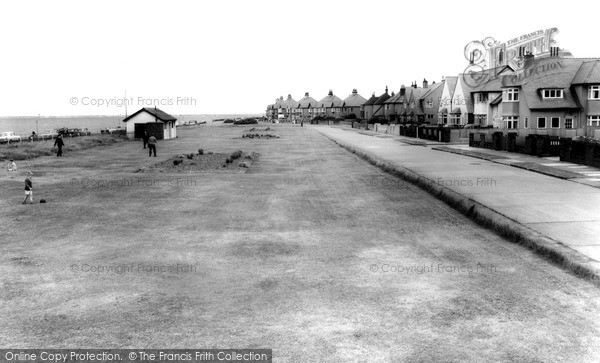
(367, 107)
(445, 104)
(430, 102)
(352, 104)
(394, 105)
(414, 108)
(486, 93)
(284, 109)
(306, 108)
(152, 120)
(462, 103)
(379, 104)
(330, 105)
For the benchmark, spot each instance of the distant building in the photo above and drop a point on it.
(367, 107)
(352, 104)
(154, 121)
(330, 105)
(306, 108)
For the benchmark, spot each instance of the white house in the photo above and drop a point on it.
(153, 120)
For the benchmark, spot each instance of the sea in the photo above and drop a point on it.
(24, 125)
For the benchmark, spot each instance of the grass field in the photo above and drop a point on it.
(29, 150)
(289, 255)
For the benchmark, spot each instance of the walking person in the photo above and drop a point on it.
(151, 145)
(145, 138)
(28, 188)
(59, 143)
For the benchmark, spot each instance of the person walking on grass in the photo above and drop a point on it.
(151, 145)
(28, 188)
(59, 143)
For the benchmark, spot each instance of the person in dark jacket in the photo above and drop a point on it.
(59, 143)
(152, 145)
(28, 188)
(145, 138)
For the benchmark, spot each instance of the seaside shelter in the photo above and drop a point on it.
(153, 120)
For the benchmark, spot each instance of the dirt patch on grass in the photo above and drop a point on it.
(237, 162)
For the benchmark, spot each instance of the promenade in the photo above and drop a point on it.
(557, 201)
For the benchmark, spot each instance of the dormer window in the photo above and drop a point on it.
(552, 93)
(512, 95)
(594, 93)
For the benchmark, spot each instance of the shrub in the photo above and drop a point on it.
(190, 156)
(236, 155)
(246, 121)
(351, 116)
(177, 162)
(228, 160)
(200, 151)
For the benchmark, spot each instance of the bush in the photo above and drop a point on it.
(177, 162)
(200, 151)
(228, 160)
(229, 121)
(190, 156)
(351, 116)
(246, 121)
(236, 155)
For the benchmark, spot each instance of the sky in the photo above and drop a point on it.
(223, 57)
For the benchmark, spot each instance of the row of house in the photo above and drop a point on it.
(554, 95)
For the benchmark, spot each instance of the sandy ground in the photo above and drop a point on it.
(312, 252)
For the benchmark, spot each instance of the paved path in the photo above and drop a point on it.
(560, 209)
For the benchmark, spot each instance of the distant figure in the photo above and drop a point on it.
(12, 168)
(302, 123)
(151, 145)
(33, 136)
(59, 143)
(145, 138)
(28, 188)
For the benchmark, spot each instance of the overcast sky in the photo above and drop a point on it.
(61, 57)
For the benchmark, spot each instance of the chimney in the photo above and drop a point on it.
(306, 94)
(425, 83)
(354, 91)
(386, 90)
(402, 90)
(289, 97)
(330, 92)
(415, 84)
(393, 94)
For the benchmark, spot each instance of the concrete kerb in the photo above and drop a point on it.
(506, 227)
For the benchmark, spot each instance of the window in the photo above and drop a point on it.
(455, 119)
(568, 122)
(430, 117)
(552, 93)
(512, 95)
(480, 119)
(555, 122)
(526, 122)
(541, 122)
(511, 121)
(429, 104)
(481, 97)
(593, 120)
(594, 93)
(445, 119)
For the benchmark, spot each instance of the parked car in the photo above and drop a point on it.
(49, 135)
(83, 132)
(471, 126)
(451, 126)
(8, 137)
